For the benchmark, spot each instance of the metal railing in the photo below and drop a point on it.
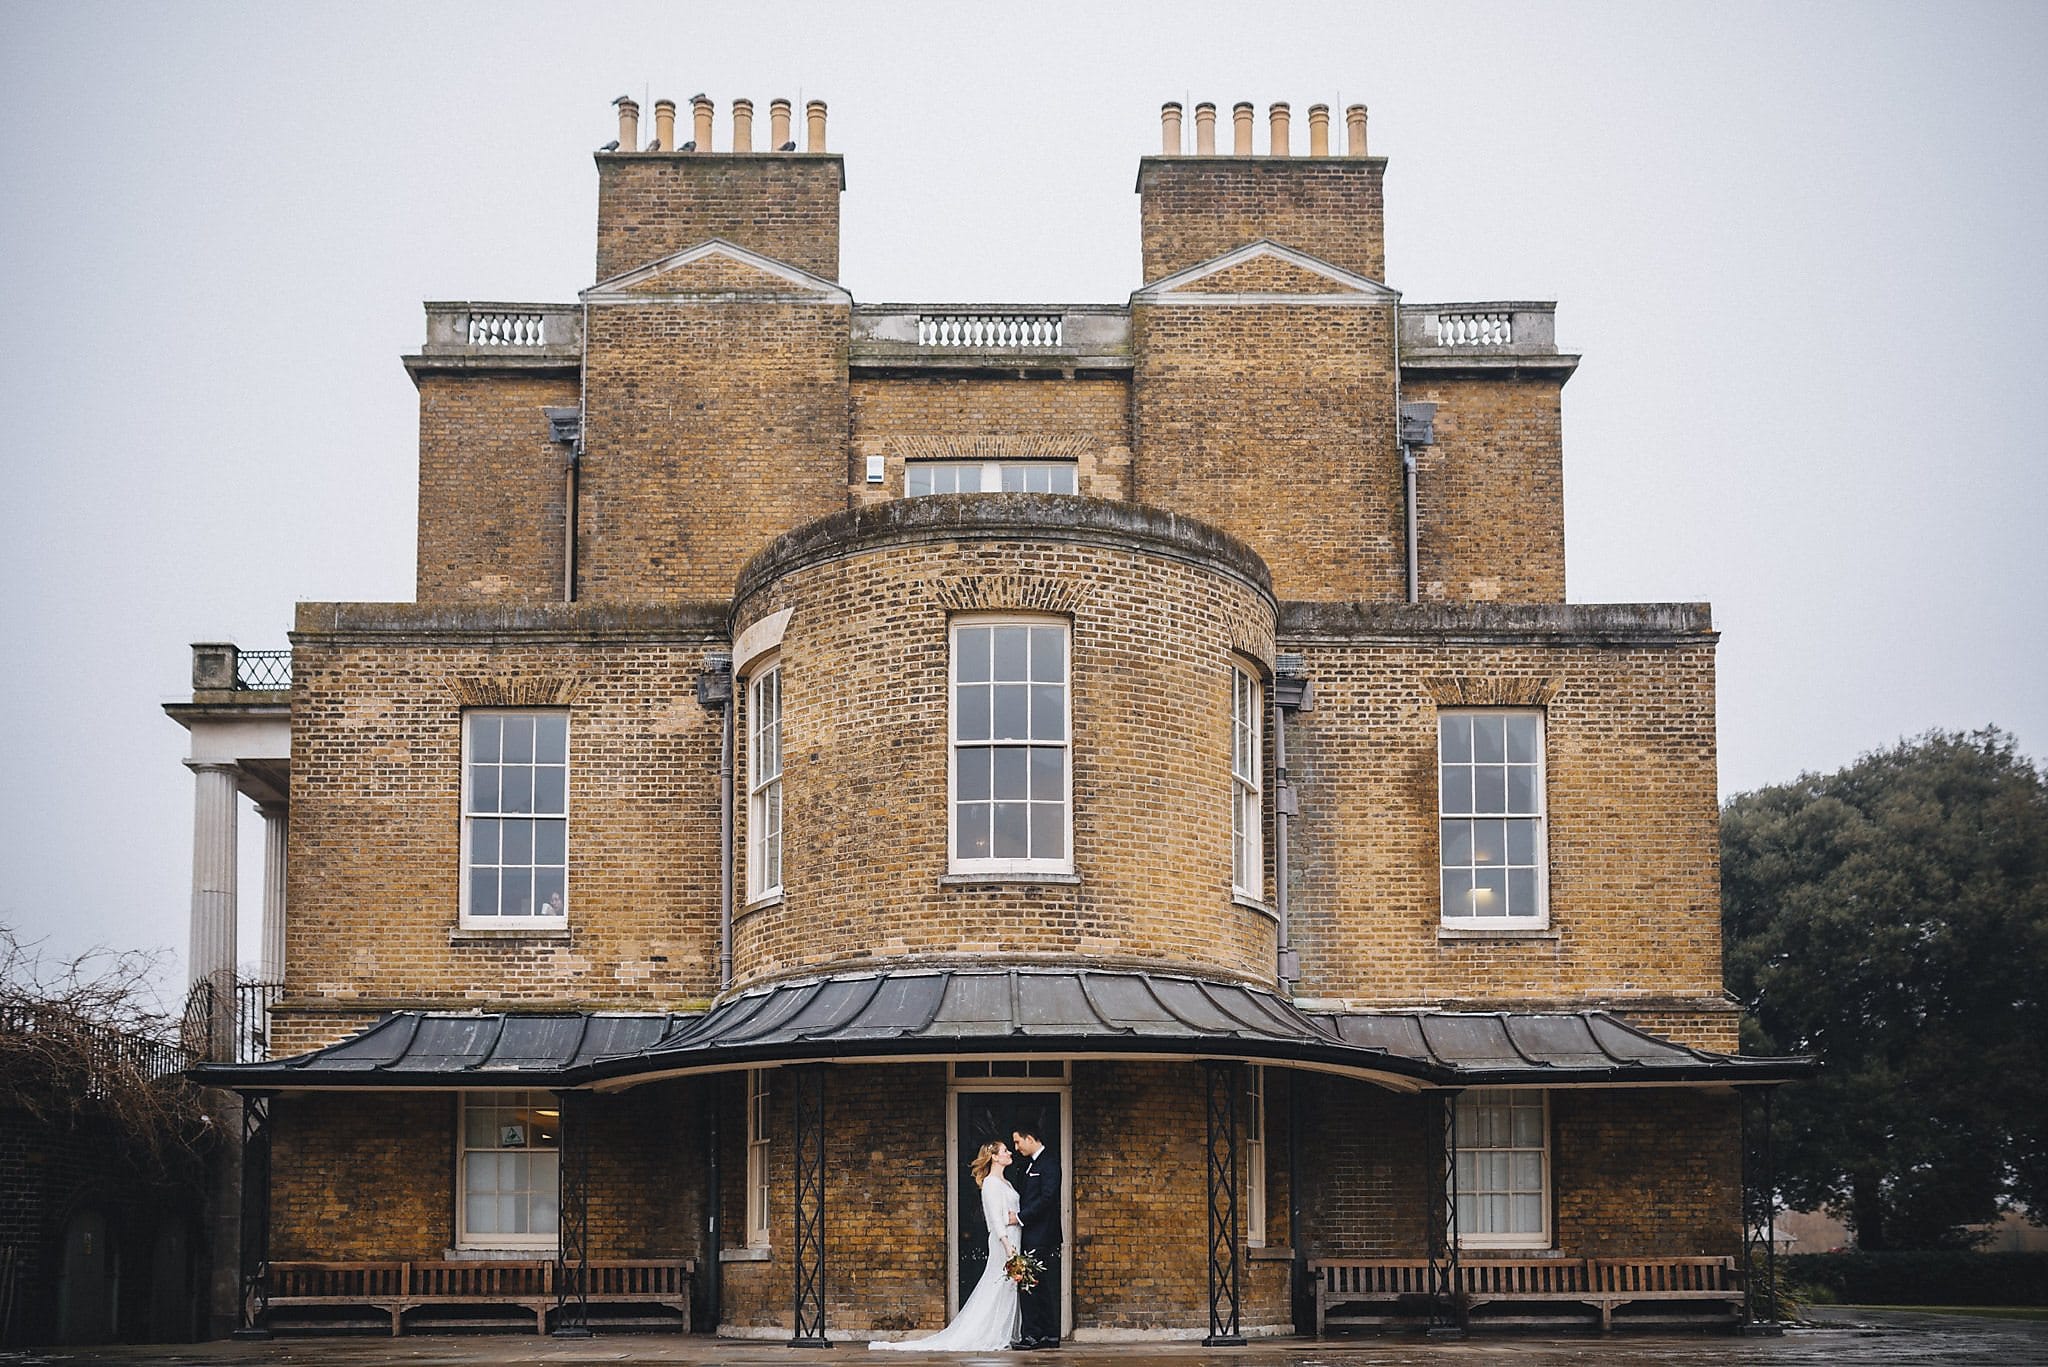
(263, 670)
(107, 1051)
(249, 1026)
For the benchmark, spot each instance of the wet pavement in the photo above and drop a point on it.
(1838, 1337)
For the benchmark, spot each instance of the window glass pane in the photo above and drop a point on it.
(1521, 892)
(511, 1215)
(1487, 744)
(483, 788)
(1455, 739)
(1048, 655)
(971, 831)
(482, 1215)
(546, 1217)
(479, 1128)
(1012, 703)
(518, 790)
(483, 841)
(1014, 481)
(1012, 831)
(1527, 1216)
(1049, 775)
(1048, 830)
(483, 892)
(1010, 776)
(519, 739)
(550, 789)
(1521, 738)
(1457, 836)
(1489, 842)
(1457, 892)
(1528, 1166)
(517, 844)
(1521, 788)
(1521, 842)
(548, 892)
(1457, 790)
(515, 892)
(1048, 712)
(550, 842)
(1489, 892)
(1012, 645)
(1489, 788)
(551, 738)
(970, 654)
(1062, 481)
(483, 737)
(971, 772)
(971, 712)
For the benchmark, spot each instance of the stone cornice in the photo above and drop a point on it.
(1544, 624)
(490, 623)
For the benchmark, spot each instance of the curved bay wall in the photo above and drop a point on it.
(1158, 608)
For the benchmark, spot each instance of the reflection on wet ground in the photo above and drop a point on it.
(1839, 1337)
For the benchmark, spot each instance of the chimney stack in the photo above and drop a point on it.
(814, 119)
(700, 119)
(1205, 129)
(1319, 130)
(778, 124)
(1279, 143)
(629, 124)
(1354, 126)
(1169, 129)
(742, 125)
(664, 125)
(1241, 119)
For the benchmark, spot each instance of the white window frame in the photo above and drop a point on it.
(1540, 817)
(760, 1206)
(464, 1236)
(1255, 1156)
(467, 918)
(1494, 1097)
(954, 745)
(991, 474)
(1247, 798)
(764, 789)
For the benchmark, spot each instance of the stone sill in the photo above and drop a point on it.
(500, 1255)
(773, 899)
(1238, 899)
(1496, 933)
(965, 880)
(476, 935)
(745, 1255)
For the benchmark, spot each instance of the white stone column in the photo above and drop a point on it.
(211, 952)
(275, 819)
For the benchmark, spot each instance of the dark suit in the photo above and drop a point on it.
(1038, 1211)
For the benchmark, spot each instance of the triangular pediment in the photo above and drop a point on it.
(1265, 272)
(715, 269)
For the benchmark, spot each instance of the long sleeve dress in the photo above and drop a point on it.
(988, 1321)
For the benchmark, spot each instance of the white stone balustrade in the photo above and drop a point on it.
(989, 330)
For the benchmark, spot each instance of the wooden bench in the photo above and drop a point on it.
(660, 1286)
(1370, 1291)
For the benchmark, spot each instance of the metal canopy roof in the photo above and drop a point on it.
(940, 1012)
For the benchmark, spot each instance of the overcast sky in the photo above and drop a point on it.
(1801, 248)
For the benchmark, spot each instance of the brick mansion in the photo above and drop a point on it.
(829, 735)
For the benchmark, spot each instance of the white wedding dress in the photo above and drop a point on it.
(988, 1322)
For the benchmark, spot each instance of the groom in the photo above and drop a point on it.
(1038, 1212)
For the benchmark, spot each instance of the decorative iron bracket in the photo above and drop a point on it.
(1224, 1080)
(572, 1254)
(807, 1290)
(255, 1226)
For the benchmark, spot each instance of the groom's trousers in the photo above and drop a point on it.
(1039, 1309)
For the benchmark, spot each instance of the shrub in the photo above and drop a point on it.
(1943, 1277)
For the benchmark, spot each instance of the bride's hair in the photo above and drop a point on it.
(985, 1160)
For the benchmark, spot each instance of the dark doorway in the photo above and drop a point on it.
(980, 1117)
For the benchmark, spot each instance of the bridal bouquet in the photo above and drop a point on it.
(1025, 1269)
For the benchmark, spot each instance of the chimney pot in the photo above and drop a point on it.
(1205, 129)
(1319, 130)
(778, 124)
(1279, 143)
(1354, 128)
(1241, 121)
(742, 125)
(700, 120)
(629, 124)
(814, 126)
(1169, 129)
(664, 125)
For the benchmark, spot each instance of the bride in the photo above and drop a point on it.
(988, 1321)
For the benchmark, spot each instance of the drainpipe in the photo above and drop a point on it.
(714, 690)
(565, 428)
(714, 1206)
(1415, 425)
(1292, 692)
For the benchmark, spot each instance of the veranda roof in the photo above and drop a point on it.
(1046, 1011)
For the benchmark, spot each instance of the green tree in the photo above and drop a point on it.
(1892, 919)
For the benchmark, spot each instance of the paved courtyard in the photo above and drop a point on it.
(1843, 1338)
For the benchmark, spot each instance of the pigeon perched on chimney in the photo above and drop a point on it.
(689, 146)
(611, 146)
(789, 146)
(623, 99)
(654, 146)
